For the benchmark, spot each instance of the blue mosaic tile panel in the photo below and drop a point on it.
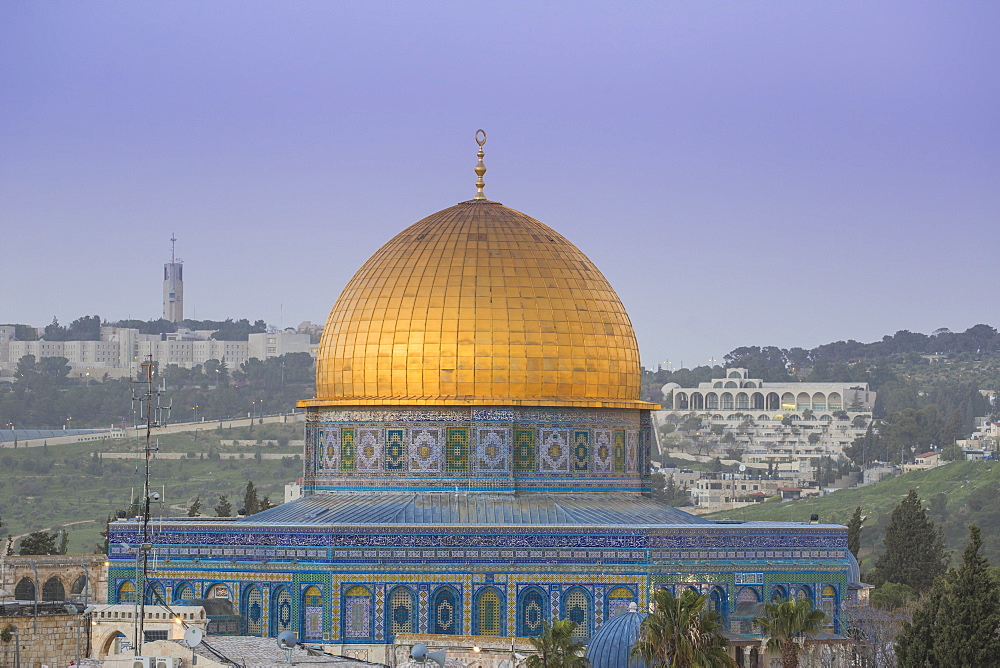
(395, 449)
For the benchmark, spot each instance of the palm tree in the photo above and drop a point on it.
(680, 633)
(556, 647)
(787, 624)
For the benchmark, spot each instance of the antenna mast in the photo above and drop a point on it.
(149, 400)
(173, 242)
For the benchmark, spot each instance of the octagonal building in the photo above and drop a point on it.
(476, 462)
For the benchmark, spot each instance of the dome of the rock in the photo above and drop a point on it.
(478, 304)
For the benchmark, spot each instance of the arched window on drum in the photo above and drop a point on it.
(403, 615)
(155, 594)
(829, 604)
(576, 608)
(281, 611)
(183, 592)
(253, 612)
(717, 601)
(357, 617)
(446, 612)
(531, 612)
(489, 613)
(312, 613)
(126, 592)
(619, 599)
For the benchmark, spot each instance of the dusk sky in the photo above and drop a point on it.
(744, 173)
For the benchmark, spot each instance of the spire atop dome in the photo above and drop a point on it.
(480, 167)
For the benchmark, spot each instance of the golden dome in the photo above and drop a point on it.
(478, 304)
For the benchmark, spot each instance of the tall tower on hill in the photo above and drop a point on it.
(173, 286)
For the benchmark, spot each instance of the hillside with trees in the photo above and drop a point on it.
(930, 388)
(44, 396)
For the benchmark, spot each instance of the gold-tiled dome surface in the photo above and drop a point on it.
(483, 305)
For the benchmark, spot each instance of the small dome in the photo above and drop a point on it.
(853, 569)
(612, 643)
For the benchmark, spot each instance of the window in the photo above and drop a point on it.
(126, 592)
(357, 614)
(532, 612)
(253, 612)
(490, 613)
(445, 612)
(576, 608)
(312, 613)
(281, 615)
(402, 611)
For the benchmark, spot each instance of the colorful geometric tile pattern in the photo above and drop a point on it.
(368, 450)
(581, 451)
(619, 450)
(524, 450)
(395, 449)
(553, 451)
(603, 451)
(346, 449)
(458, 450)
(426, 450)
(492, 450)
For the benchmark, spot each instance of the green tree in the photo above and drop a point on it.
(787, 624)
(195, 509)
(39, 542)
(63, 542)
(891, 596)
(681, 633)
(556, 647)
(715, 465)
(958, 623)
(223, 508)
(914, 547)
(854, 532)
(265, 503)
(251, 505)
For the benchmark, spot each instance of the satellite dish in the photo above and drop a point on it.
(287, 640)
(193, 636)
(743, 467)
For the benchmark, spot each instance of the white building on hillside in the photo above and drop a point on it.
(771, 422)
(121, 349)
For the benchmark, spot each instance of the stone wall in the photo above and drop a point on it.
(64, 569)
(51, 638)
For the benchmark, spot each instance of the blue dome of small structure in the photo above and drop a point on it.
(853, 569)
(612, 643)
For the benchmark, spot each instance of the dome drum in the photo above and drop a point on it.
(483, 449)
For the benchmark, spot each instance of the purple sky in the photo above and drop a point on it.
(786, 173)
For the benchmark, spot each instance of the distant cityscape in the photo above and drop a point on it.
(119, 350)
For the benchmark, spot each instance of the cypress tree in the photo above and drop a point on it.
(914, 548)
(915, 645)
(250, 503)
(854, 532)
(958, 621)
(970, 612)
(224, 508)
